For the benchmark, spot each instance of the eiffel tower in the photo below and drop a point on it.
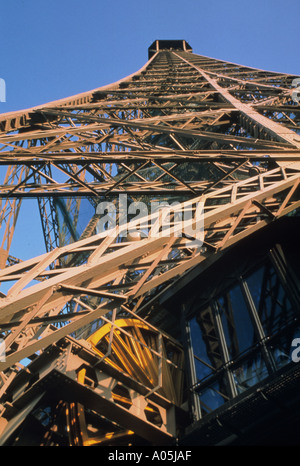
(165, 305)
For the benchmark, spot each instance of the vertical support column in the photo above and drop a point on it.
(9, 211)
(257, 326)
(224, 350)
(190, 366)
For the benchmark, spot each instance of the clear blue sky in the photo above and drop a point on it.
(56, 48)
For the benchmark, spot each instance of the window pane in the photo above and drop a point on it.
(205, 343)
(250, 372)
(284, 348)
(213, 396)
(270, 298)
(236, 322)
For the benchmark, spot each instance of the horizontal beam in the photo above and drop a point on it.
(113, 157)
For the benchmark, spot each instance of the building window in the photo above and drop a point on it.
(250, 371)
(243, 335)
(271, 300)
(212, 396)
(236, 321)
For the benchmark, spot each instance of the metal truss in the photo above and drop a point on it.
(111, 385)
(220, 139)
(160, 257)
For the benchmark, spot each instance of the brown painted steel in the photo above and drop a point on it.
(185, 126)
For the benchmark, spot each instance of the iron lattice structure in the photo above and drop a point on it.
(186, 129)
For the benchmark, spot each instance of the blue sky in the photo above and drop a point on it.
(56, 48)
